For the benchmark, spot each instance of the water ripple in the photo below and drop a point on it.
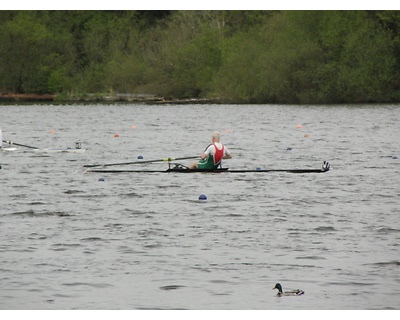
(87, 284)
(145, 241)
(33, 213)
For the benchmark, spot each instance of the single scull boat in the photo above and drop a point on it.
(179, 168)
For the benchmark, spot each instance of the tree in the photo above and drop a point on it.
(25, 54)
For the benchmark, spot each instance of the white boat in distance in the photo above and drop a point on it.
(8, 149)
(59, 150)
(47, 150)
(77, 149)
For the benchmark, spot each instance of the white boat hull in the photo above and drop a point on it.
(59, 150)
(48, 150)
(8, 149)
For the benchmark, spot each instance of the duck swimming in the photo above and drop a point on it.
(296, 292)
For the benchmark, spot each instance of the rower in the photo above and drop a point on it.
(211, 158)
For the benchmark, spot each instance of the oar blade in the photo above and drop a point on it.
(19, 144)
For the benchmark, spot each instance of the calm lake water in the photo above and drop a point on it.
(145, 241)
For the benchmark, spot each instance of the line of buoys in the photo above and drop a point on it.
(299, 126)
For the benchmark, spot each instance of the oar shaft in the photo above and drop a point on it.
(138, 162)
(19, 144)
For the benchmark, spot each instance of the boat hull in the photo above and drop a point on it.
(224, 170)
(59, 150)
(8, 149)
(43, 150)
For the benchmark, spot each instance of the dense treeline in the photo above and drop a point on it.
(238, 56)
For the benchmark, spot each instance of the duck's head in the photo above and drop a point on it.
(279, 287)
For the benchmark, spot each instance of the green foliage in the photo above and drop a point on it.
(23, 65)
(239, 56)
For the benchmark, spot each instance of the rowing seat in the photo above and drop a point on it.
(178, 166)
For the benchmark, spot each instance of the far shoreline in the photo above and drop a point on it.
(101, 98)
(150, 99)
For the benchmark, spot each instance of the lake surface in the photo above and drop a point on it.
(145, 241)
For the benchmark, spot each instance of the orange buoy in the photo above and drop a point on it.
(299, 126)
(116, 135)
(52, 131)
(133, 127)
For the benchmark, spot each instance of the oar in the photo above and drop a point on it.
(137, 162)
(18, 144)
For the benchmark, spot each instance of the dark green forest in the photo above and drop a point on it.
(234, 56)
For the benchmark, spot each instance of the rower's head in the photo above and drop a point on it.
(216, 136)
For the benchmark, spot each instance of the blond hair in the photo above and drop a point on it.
(216, 136)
